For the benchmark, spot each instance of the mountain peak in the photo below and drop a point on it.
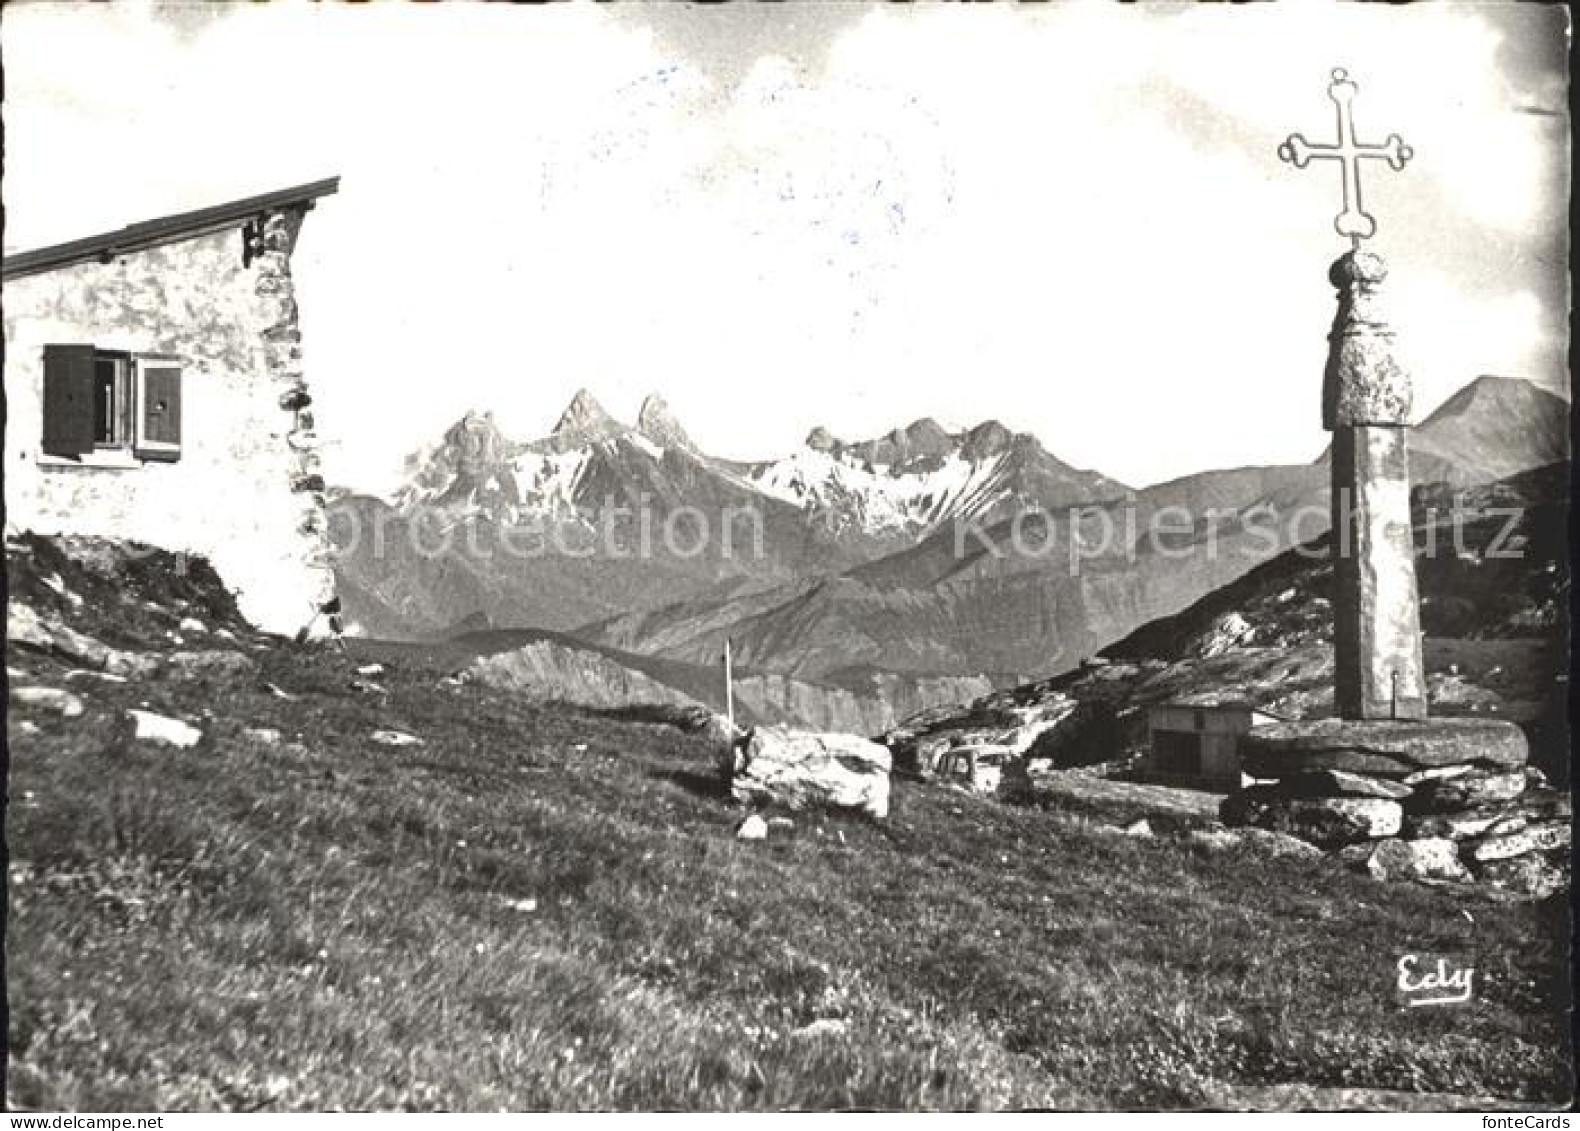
(586, 419)
(926, 437)
(820, 439)
(1492, 428)
(986, 440)
(1489, 392)
(658, 423)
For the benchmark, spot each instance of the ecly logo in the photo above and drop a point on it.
(1425, 981)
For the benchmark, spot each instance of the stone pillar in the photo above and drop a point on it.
(1366, 400)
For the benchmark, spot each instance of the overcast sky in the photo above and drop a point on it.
(1071, 218)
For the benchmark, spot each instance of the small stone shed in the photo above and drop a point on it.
(1194, 743)
(155, 392)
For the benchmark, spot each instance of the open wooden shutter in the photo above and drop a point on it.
(68, 400)
(158, 422)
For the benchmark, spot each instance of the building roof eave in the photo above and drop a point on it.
(166, 229)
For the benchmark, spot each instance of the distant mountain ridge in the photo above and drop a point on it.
(897, 486)
(862, 565)
(914, 479)
(939, 606)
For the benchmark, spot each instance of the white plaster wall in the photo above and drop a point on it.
(229, 496)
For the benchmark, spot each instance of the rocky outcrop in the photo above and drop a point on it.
(659, 424)
(27, 628)
(1438, 800)
(1280, 845)
(1465, 790)
(1328, 822)
(585, 421)
(804, 769)
(1393, 859)
(1537, 875)
(54, 700)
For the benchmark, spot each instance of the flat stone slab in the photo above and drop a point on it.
(1466, 791)
(1383, 747)
(1342, 783)
(1328, 822)
(1533, 838)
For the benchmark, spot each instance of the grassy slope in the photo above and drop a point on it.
(325, 922)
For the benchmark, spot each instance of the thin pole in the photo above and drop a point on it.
(729, 686)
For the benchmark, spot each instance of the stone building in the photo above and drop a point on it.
(1194, 743)
(155, 392)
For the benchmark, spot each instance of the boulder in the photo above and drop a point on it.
(1493, 820)
(1385, 747)
(1217, 839)
(1435, 858)
(804, 769)
(1533, 874)
(1225, 634)
(1466, 791)
(160, 728)
(1540, 837)
(719, 738)
(1452, 826)
(1328, 822)
(1278, 845)
(62, 703)
(395, 738)
(1435, 772)
(27, 628)
(753, 828)
(1341, 783)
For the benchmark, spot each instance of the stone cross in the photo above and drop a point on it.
(1353, 221)
(1366, 403)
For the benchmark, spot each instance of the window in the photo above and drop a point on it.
(105, 401)
(111, 380)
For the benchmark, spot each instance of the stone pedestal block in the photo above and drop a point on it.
(1383, 748)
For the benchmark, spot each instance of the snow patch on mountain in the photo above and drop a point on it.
(547, 481)
(876, 496)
